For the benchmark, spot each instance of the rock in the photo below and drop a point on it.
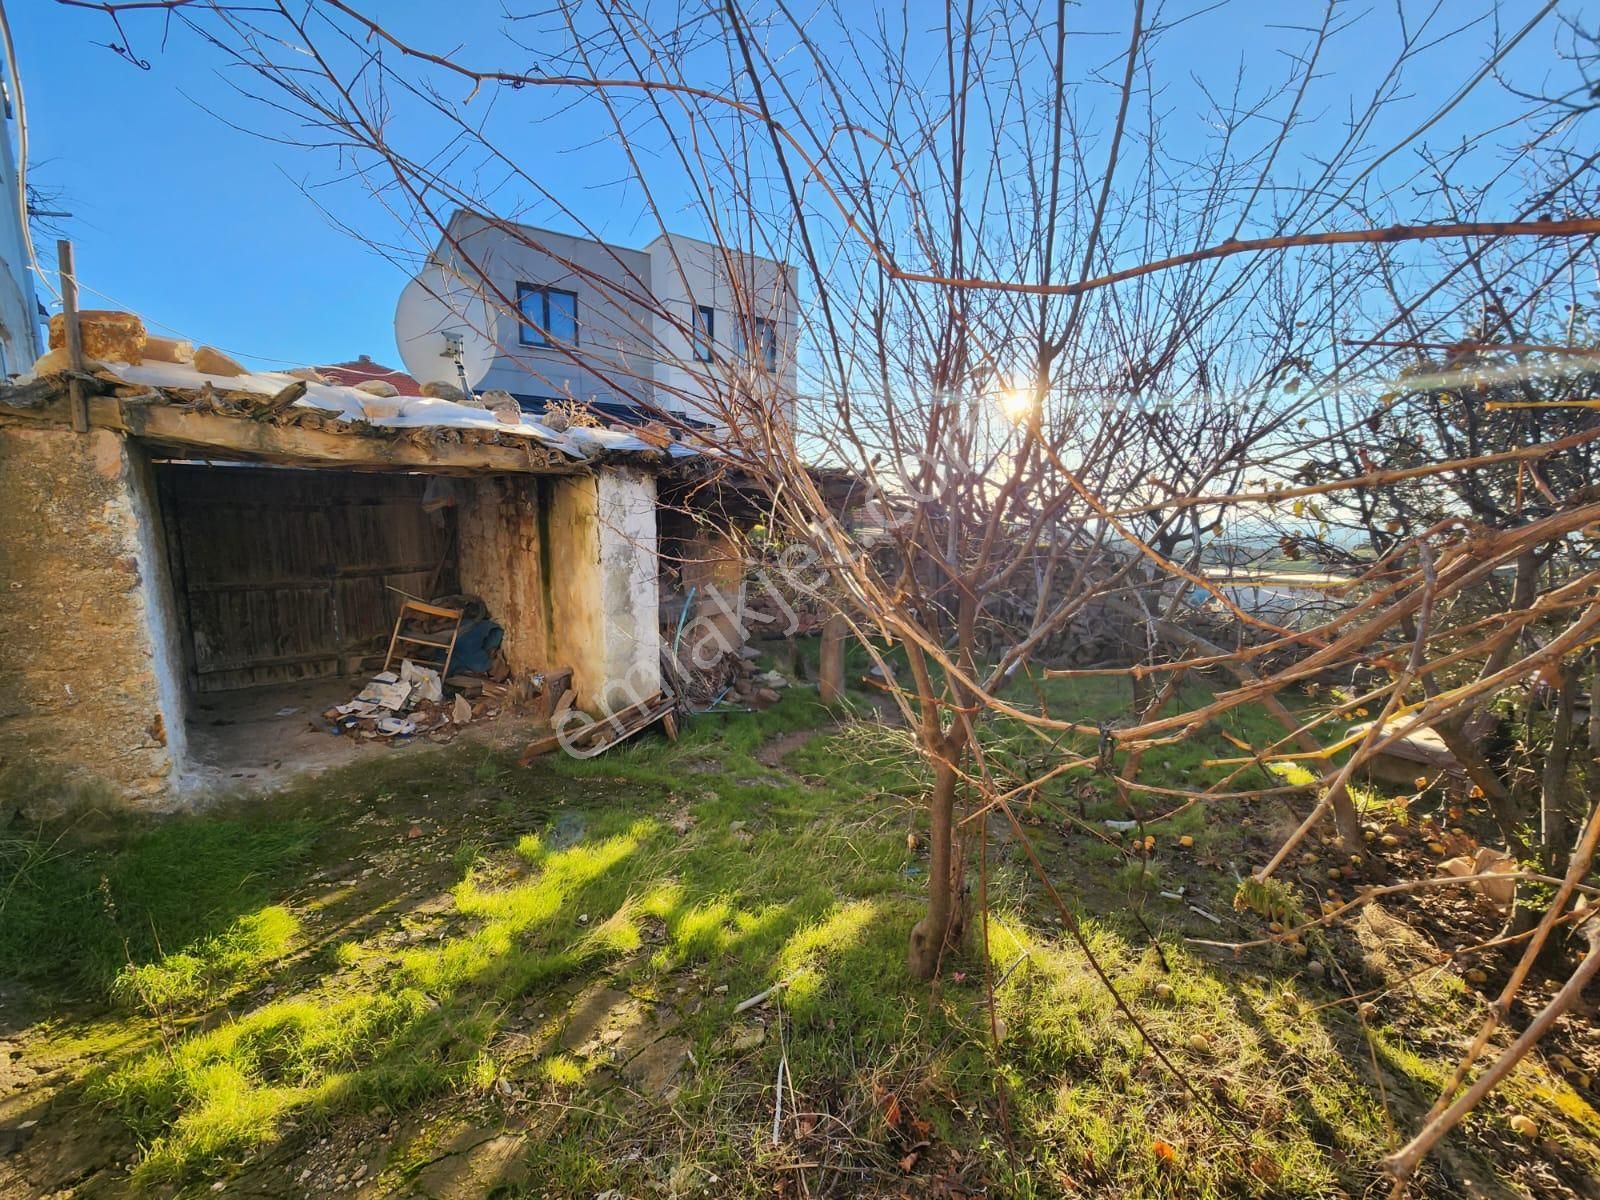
(105, 334)
(381, 388)
(53, 362)
(474, 1164)
(658, 1064)
(767, 696)
(504, 407)
(555, 419)
(443, 391)
(165, 349)
(748, 1037)
(208, 360)
(309, 374)
(655, 433)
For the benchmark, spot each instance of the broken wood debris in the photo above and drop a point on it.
(598, 736)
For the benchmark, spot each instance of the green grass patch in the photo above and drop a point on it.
(80, 905)
(212, 965)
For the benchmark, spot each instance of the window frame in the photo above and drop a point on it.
(766, 337)
(535, 332)
(705, 333)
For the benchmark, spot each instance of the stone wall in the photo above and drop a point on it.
(604, 599)
(87, 679)
(568, 566)
(500, 559)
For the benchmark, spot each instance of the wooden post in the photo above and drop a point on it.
(830, 680)
(79, 403)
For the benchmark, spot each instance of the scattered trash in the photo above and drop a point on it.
(414, 700)
(424, 681)
(1120, 826)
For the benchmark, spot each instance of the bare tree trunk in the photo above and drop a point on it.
(1554, 827)
(830, 680)
(936, 930)
(1481, 773)
(1594, 708)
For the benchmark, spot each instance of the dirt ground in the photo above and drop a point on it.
(261, 739)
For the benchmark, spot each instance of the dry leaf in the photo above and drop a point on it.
(891, 1111)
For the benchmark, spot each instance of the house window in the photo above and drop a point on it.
(766, 340)
(549, 316)
(705, 332)
(766, 331)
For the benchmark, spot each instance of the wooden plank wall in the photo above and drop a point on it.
(282, 574)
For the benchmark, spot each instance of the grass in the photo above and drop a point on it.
(79, 904)
(212, 965)
(443, 980)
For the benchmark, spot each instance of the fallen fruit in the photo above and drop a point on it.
(1186, 841)
(1164, 992)
(1524, 1126)
(1200, 1044)
(1389, 840)
(1477, 976)
(1436, 847)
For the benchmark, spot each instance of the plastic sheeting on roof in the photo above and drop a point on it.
(393, 412)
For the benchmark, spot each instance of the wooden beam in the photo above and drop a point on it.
(214, 435)
(74, 334)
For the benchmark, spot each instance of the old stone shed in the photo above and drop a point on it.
(170, 535)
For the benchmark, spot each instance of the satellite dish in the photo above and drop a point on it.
(442, 319)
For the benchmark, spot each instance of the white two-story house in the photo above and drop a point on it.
(679, 326)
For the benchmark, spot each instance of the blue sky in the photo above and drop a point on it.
(204, 229)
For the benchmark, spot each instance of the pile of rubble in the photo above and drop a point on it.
(416, 700)
(757, 688)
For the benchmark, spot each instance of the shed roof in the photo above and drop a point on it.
(279, 417)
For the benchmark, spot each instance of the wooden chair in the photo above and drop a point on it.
(411, 609)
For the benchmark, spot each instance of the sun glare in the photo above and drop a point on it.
(1016, 403)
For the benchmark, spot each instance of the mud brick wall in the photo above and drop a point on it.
(501, 560)
(86, 679)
